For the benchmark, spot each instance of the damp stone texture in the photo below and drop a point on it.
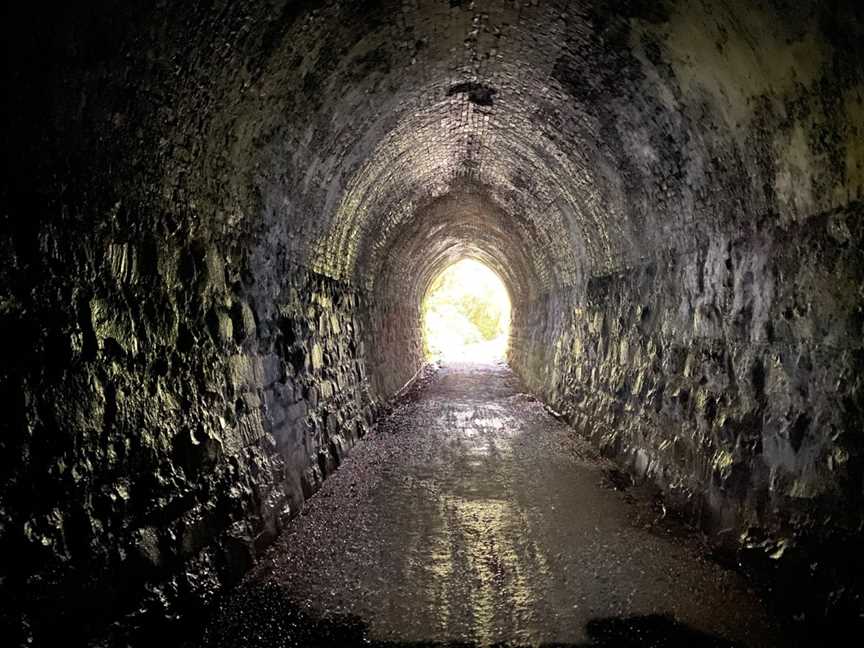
(219, 220)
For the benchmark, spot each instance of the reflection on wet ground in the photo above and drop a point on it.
(472, 517)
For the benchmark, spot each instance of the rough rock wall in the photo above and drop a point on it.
(732, 375)
(178, 384)
(171, 161)
(393, 347)
(176, 417)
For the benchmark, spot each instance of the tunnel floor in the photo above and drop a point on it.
(473, 515)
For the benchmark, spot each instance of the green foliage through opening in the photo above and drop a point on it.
(466, 313)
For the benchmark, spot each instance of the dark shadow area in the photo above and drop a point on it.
(650, 631)
(266, 615)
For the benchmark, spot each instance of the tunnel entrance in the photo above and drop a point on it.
(466, 314)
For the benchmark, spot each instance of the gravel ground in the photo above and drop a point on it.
(471, 516)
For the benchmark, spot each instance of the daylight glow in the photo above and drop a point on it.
(466, 314)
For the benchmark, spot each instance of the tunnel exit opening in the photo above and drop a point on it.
(466, 314)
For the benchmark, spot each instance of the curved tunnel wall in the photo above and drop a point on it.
(221, 219)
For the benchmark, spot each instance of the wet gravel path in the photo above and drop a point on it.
(472, 515)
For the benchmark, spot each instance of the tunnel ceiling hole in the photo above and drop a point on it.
(466, 314)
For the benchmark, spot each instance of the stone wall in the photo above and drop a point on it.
(732, 375)
(177, 169)
(178, 380)
(166, 416)
(393, 347)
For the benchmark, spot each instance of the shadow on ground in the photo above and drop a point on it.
(265, 615)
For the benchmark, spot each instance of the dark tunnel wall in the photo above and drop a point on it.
(730, 375)
(726, 364)
(219, 219)
(179, 380)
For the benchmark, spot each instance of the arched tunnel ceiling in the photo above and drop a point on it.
(560, 115)
(482, 114)
(453, 227)
(603, 133)
(467, 144)
(179, 169)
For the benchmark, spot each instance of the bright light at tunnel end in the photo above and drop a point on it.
(466, 315)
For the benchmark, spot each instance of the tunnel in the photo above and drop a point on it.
(220, 220)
